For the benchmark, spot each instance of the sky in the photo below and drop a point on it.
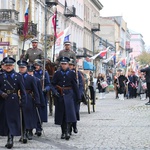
(134, 12)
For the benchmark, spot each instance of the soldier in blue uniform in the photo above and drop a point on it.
(33, 101)
(72, 66)
(30, 70)
(46, 87)
(65, 82)
(10, 103)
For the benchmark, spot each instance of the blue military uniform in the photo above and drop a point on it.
(66, 83)
(80, 88)
(10, 83)
(47, 87)
(33, 101)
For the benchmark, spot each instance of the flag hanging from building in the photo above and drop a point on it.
(101, 53)
(54, 22)
(26, 17)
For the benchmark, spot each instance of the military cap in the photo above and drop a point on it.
(35, 40)
(9, 60)
(38, 62)
(30, 68)
(67, 42)
(22, 63)
(64, 60)
(72, 62)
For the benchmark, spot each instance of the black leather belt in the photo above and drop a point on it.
(11, 91)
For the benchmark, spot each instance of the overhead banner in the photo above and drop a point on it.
(59, 45)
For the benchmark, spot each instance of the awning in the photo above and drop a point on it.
(88, 66)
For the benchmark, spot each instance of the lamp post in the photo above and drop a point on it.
(100, 48)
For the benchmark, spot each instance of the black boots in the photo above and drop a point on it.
(67, 132)
(38, 133)
(10, 142)
(65, 127)
(63, 132)
(74, 125)
(24, 138)
(29, 134)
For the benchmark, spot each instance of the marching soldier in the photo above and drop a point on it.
(45, 82)
(80, 88)
(10, 84)
(33, 101)
(33, 53)
(30, 70)
(65, 82)
(67, 52)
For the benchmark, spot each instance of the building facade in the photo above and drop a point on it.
(136, 43)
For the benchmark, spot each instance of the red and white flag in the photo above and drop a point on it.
(54, 22)
(25, 27)
(101, 53)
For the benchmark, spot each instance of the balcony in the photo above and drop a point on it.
(70, 11)
(32, 30)
(51, 2)
(8, 19)
(95, 27)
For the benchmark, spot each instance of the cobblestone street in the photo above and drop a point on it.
(116, 125)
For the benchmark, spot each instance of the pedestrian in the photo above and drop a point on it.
(13, 98)
(34, 52)
(101, 79)
(108, 79)
(46, 86)
(80, 88)
(147, 76)
(121, 84)
(65, 82)
(33, 102)
(132, 84)
(66, 52)
(115, 85)
(141, 88)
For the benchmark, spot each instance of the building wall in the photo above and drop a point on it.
(137, 44)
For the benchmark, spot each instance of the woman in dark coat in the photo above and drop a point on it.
(100, 79)
(121, 85)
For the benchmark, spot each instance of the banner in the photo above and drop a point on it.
(59, 44)
(101, 52)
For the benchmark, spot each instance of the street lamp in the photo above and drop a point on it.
(95, 28)
(48, 3)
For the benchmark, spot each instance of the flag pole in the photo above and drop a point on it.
(45, 46)
(25, 27)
